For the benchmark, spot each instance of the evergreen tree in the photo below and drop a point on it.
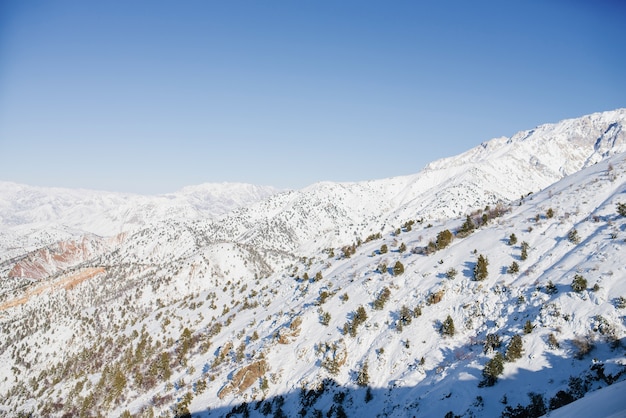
(514, 350)
(467, 227)
(579, 283)
(528, 327)
(444, 238)
(383, 296)
(621, 209)
(549, 213)
(363, 378)
(573, 237)
(402, 248)
(405, 315)
(493, 368)
(512, 239)
(513, 268)
(383, 249)
(491, 343)
(551, 288)
(524, 254)
(480, 270)
(451, 273)
(447, 328)
(398, 268)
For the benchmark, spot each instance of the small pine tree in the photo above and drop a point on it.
(444, 238)
(360, 315)
(491, 343)
(363, 378)
(318, 276)
(467, 227)
(513, 268)
(405, 316)
(549, 213)
(383, 297)
(514, 350)
(579, 283)
(447, 328)
(325, 318)
(512, 239)
(528, 327)
(493, 368)
(621, 209)
(382, 268)
(573, 237)
(480, 270)
(384, 249)
(451, 273)
(524, 254)
(398, 268)
(551, 288)
(402, 247)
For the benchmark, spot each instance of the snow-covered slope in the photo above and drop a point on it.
(296, 305)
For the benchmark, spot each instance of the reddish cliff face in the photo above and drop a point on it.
(58, 257)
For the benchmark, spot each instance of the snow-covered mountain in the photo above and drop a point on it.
(355, 299)
(33, 217)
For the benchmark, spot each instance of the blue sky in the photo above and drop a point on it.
(150, 96)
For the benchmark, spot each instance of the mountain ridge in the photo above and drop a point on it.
(296, 305)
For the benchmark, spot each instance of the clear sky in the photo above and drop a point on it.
(150, 96)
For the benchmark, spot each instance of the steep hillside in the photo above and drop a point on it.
(341, 331)
(488, 284)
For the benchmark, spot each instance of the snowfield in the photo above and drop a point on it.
(340, 299)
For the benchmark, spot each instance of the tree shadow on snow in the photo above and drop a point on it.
(433, 396)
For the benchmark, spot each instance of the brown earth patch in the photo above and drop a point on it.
(68, 283)
(244, 378)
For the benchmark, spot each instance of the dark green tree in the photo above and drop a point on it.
(447, 328)
(551, 288)
(444, 238)
(451, 273)
(579, 283)
(363, 378)
(621, 209)
(524, 254)
(383, 249)
(398, 268)
(493, 368)
(467, 227)
(402, 247)
(383, 297)
(514, 349)
(528, 327)
(405, 316)
(513, 268)
(573, 237)
(480, 269)
(512, 239)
